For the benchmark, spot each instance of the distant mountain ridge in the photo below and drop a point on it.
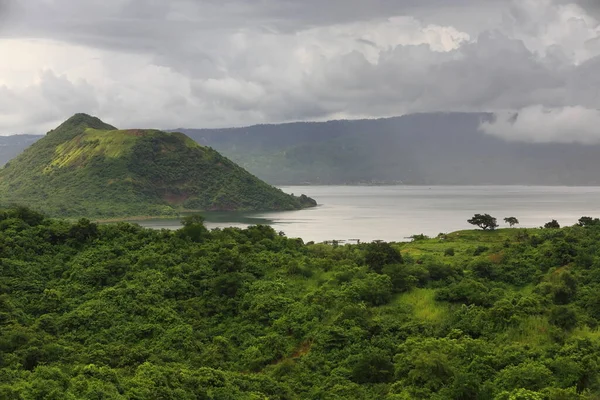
(421, 149)
(13, 145)
(88, 168)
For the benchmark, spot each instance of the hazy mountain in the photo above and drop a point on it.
(88, 168)
(443, 148)
(12, 146)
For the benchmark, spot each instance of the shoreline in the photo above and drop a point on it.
(136, 218)
(179, 215)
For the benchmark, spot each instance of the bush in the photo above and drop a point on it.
(466, 291)
(483, 269)
(480, 250)
(379, 254)
(371, 366)
(374, 289)
(563, 317)
(552, 225)
(405, 277)
(530, 375)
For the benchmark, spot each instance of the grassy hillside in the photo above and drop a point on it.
(122, 312)
(88, 168)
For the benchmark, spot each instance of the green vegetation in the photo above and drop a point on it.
(484, 221)
(552, 225)
(88, 168)
(512, 221)
(116, 311)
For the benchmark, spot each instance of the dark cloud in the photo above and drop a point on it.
(4, 13)
(235, 62)
(308, 13)
(592, 6)
(147, 25)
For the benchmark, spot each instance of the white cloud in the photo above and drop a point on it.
(538, 124)
(203, 64)
(43, 103)
(544, 26)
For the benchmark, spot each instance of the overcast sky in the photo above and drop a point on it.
(218, 63)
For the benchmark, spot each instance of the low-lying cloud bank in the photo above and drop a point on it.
(538, 124)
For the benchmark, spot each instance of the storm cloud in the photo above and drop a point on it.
(151, 63)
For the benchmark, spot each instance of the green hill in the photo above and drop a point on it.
(120, 312)
(88, 168)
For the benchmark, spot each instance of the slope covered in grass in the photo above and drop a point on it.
(88, 168)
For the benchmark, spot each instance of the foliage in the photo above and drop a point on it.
(512, 221)
(588, 221)
(117, 311)
(86, 168)
(380, 254)
(552, 225)
(484, 221)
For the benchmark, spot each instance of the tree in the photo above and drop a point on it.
(83, 230)
(552, 225)
(564, 317)
(588, 221)
(512, 221)
(485, 221)
(371, 366)
(193, 228)
(379, 254)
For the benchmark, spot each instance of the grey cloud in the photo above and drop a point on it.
(224, 63)
(151, 25)
(592, 6)
(4, 13)
(494, 71)
(46, 103)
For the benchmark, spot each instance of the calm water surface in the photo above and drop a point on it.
(393, 213)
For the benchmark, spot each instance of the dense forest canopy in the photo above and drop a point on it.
(116, 311)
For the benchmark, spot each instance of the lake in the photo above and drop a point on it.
(393, 213)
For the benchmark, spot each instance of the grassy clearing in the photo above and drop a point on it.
(586, 332)
(464, 244)
(92, 143)
(423, 305)
(533, 331)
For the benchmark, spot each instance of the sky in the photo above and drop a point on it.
(221, 63)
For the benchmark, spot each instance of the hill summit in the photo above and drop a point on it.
(86, 167)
